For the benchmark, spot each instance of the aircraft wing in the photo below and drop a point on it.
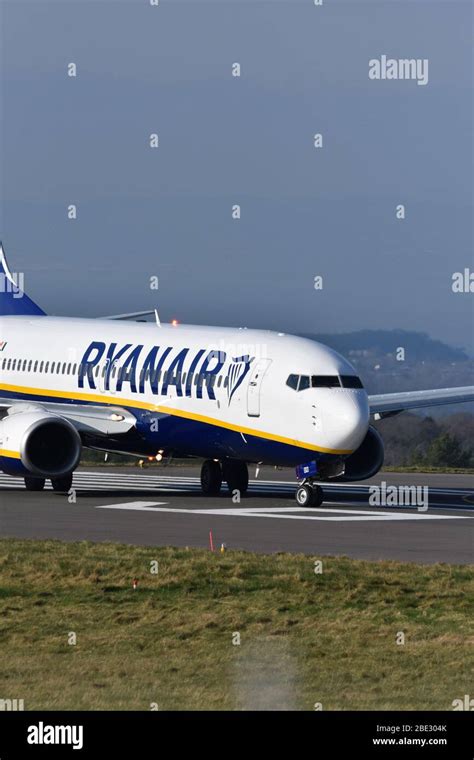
(131, 315)
(388, 404)
(100, 420)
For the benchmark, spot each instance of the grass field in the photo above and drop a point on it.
(305, 637)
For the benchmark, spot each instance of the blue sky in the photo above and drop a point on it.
(247, 140)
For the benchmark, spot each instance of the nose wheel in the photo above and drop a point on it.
(309, 495)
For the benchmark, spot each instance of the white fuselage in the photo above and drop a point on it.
(199, 382)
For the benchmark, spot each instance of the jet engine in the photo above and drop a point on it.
(366, 461)
(38, 443)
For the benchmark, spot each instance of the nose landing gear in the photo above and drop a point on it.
(308, 494)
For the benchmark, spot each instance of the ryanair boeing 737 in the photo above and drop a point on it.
(230, 396)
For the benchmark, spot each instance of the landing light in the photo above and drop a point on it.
(175, 322)
(117, 417)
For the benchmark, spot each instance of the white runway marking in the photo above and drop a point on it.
(139, 506)
(160, 485)
(282, 513)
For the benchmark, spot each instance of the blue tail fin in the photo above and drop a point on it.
(13, 301)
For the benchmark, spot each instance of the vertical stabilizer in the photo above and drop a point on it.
(13, 299)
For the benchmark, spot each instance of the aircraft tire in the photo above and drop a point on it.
(211, 477)
(62, 485)
(236, 475)
(34, 484)
(309, 496)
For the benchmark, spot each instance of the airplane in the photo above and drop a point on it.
(230, 396)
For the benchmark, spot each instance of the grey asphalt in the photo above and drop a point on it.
(163, 506)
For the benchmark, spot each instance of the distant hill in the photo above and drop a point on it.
(427, 363)
(418, 346)
(408, 437)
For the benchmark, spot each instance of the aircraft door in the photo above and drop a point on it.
(255, 385)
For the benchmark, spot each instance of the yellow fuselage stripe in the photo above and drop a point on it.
(10, 454)
(135, 404)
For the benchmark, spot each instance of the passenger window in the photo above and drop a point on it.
(46, 366)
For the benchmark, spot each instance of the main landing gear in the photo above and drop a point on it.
(61, 485)
(308, 494)
(34, 484)
(211, 477)
(234, 472)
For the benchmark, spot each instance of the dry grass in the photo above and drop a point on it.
(304, 637)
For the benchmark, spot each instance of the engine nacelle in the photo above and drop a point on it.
(366, 461)
(38, 443)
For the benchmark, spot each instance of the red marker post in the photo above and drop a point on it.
(211, 542)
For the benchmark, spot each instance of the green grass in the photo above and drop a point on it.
(304, 637)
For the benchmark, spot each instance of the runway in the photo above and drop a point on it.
(165, 507)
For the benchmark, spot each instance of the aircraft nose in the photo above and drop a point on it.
(346, 420)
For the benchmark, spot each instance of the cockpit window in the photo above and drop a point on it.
(304, 383)
(301, 382)
(293, 381)
(351, 381)
(325, 381)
